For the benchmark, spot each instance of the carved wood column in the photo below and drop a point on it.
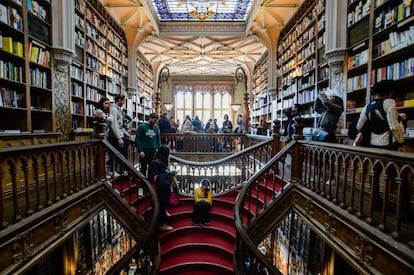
(63, 51)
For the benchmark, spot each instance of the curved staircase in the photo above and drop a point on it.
(191, 249)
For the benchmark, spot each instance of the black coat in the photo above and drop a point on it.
(330, 111)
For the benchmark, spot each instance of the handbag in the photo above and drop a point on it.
(173, 199)
(319, 134)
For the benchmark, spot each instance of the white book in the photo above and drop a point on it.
(4, 15)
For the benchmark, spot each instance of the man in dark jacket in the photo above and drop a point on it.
(330, 110)
(164, 124)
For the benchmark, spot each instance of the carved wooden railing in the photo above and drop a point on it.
(191, 142)
(256, 196)
(225, 174)
(57, 186)
(334, 188)
(374, 185)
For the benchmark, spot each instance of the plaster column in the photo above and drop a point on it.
(63, 51)
(335, 49)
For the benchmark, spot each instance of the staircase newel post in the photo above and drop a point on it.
(276, 137)
(298, 135)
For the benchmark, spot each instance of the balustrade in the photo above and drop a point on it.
(64, 180)
(371, 186)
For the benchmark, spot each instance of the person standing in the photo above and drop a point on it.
(380, 120)
(203, 201)
(118, 135)
(101, 114)
(164, 124)
(147, 141)
(330, 110)
(197, 125)
(240, 124)
(164, 181)
(381, 128)
(226, 129)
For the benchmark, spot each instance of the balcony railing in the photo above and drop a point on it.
(359, 197)
(225, 174)
(59, 185)
(191, 142)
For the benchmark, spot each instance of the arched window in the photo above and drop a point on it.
(205, 101)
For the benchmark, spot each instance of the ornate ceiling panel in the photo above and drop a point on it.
(214, 46)
(202, 10)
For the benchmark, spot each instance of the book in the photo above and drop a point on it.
(8, 44)
(16, 19)
(1, 40)
(4, 14)
(18, 48)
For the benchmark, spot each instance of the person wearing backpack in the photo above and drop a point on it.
(164, 181)
(379, 120)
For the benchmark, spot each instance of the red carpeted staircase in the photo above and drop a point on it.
(191, 249)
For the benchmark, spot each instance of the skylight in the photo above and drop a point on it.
(202, 10)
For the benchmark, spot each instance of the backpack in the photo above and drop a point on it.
(377, 117)
(162, 183)
(376, 121)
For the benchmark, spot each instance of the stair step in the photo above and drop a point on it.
(193, 258)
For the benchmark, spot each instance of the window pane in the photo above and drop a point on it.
(226, 101)
(206, 115)
(180, 117)
(179, 101)
(199, 101)
(207, 101)
(217, 101)
(188, 101)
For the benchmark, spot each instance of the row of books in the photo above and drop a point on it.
(93, 94)
(390, 16)
(94, 79)
(358, 59)
(11, 17)
(39, 54)
(76, 72)
(38, 10)
(11, 98)
(77, 108)
(395, 71)
(38, 78)
(76, 89)
(11, 71)
(306, 96)
(358, 12)
(357, 82)
(12, 46)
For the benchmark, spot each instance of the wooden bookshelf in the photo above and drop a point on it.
(100, 67)
(141, 105)
(301, 68)
(380, 46)
(261, 105)
(25, 66)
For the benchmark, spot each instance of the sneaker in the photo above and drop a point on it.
(167, 213)
(330, 182)
(166, 227)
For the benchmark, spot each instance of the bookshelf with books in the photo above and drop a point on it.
(101, 244)
(142, 104)
(100, 66)
(261, 103)
(25, 74)
(301, 66)
(380, 47)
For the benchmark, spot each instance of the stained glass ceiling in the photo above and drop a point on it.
(202, 10)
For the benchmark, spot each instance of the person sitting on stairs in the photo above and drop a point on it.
(203, 201)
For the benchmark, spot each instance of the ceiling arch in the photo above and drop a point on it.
(195, 47)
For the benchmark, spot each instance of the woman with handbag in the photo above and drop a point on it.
(164, 182)
(330, 110)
